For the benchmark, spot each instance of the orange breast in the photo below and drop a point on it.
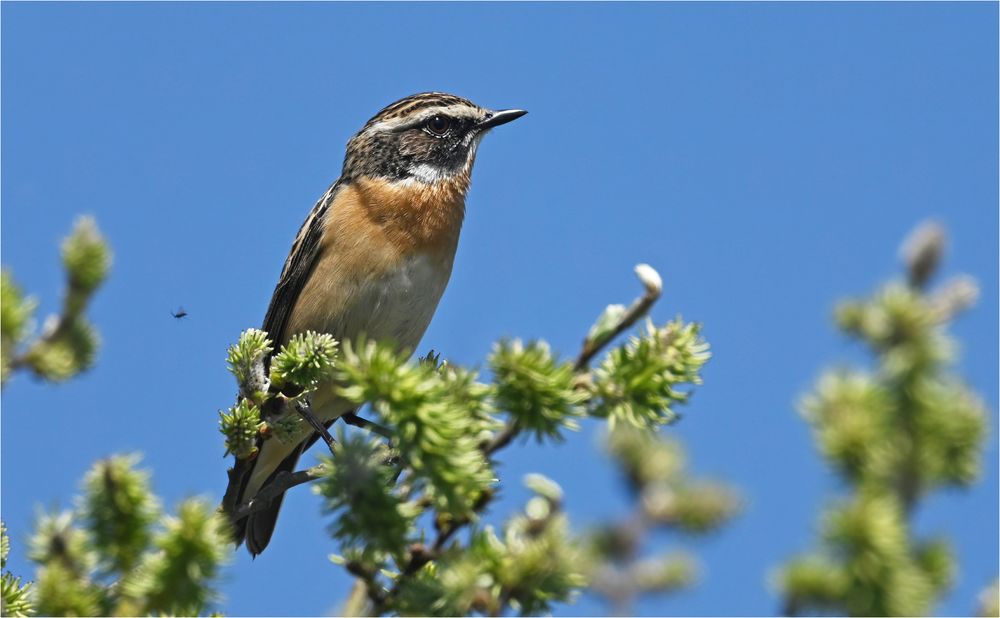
(412, 215)
(372, 229)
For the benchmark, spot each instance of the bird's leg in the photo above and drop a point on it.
(305, 412)
(356, 421)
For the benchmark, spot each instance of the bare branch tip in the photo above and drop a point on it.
(922, 250)
(650, 279)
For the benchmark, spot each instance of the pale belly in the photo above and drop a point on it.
(396, 307)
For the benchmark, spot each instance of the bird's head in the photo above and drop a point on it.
(424, 138)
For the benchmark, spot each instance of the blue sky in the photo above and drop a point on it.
(765, 158)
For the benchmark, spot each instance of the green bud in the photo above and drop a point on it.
(672, 571)
(936, 558)
(359, 492)
(638, 382)
(246, 362)
(307, 359)
(58, 541)
(850, 412)
(536, 389)
(240, 426)
(67, 349)
(812, 581)
(118, 510)
(15, 310)
(868, 524)
(86, 257)
(4, 545)
(694, 507)
(540, 564)
(644, 456)
(15, 597)
(178, 577)
(60, 591)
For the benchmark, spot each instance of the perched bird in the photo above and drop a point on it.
(373, 256)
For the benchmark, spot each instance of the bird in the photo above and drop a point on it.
(179, 314)
(371, 259)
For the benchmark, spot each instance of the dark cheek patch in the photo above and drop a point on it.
(393, 155)
(447, 153)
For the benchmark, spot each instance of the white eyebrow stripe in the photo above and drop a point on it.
(456, 111)
(384, 126)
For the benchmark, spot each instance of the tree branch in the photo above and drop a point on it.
(654, 286)
(420, 555)
(503, 438)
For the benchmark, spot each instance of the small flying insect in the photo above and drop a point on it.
(180, 313)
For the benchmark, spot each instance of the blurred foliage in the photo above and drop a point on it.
(989, 601)
(666, 500)
(406, 499)
(15, 597)
(116, 553)
(894, 434)
(67, 343)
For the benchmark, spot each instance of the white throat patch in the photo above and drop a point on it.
(427, 174)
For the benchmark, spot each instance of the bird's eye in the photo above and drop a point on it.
(438, 125)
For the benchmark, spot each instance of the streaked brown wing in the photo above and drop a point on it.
(298, 266)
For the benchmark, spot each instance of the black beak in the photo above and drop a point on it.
(503, 116)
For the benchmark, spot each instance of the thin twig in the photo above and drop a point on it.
(615, 578)
(420, 554)
(503, 438)
(282, 482)
(654, 287)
